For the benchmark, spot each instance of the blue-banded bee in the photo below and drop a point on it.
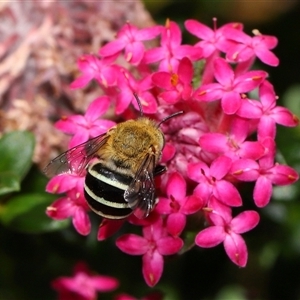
(120, 167)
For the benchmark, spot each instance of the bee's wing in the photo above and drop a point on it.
(75, 159)
(140, 194)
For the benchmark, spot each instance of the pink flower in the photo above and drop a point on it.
(212, 39)
(74, 206)
(247, 47)
(177, 205)
(178, 85)
(65, 182)
(229, 87)
(108, 227)
(171, 50)
(209, 150)
(227, 230)
(89, 125)
(153, 246)
(233, 144)
(93, 67)
(266, 111)
(129, 86)
(83, 285)
(212, 181)
(212, 42)
(156, 295)
(130, 39)
(265, 173)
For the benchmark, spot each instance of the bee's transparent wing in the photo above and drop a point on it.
(140, 194)
(75, 159)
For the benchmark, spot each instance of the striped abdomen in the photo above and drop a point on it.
(104, 192)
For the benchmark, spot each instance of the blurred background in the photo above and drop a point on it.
(39, 44)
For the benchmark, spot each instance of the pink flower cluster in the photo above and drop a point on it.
(225, 137)
(84, 284)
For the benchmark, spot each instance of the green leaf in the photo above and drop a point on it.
(16, 150)
(26, 213)
(9, 182)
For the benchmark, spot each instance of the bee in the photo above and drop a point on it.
(120, 167)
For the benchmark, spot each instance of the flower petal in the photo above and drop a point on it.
(81, 221)
(132, 244)
(153, 265)
(210, 237)
(236, 249)
(245, 221)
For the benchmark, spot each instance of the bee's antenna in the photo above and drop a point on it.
(171, 116)
(139, 104)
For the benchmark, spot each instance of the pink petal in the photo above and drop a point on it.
(97, 108)
(123, 101)
(163, 80)
(191, 52)
(169, 245)
(132, 244)
(175, 224)
(213, 142)
(163, 207)
(210, 237)
(249, 81)
(80, 137)
(153, 265)
(203, 191)
(112, 48)
(198, 29)
(284, 117)
(61, 209)
(81, 221)
(176, 186)
(108, 228)
(81, 81)
(245, 169)
(267, 95)
(267, 57)
(171, 36)
(220, 167)
(227, 193)
(250, 109)
(236, 249)
(148, 33)
(237, 35)
(170, 97)
(104, 283)
(240, 53)
(62, 183)
(148, 101)
(209, 92)
(195, 171)
(223, 72)
(283, 175)
(252, 150)
(245, 221)
(100, 127)
(192, 205)
(231, 102)
(262, 191)
(154, 55)
(266, 127)
(219, 209)
(134, 52)
(185, 70)
(70, 124)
